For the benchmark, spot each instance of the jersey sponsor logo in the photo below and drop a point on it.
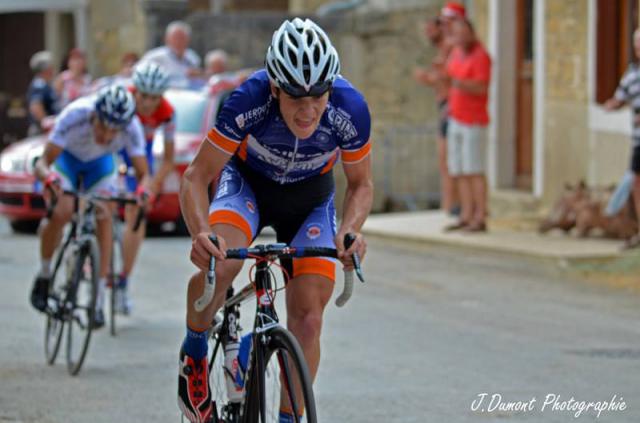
(229, 130)
(240, 121)
(248, 118)
(226, 186)
(341, 121)
(285, 160)
(314, 230)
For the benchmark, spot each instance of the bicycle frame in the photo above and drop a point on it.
(266, 316)
(82, 225)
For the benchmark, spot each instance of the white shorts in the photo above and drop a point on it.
(466, 148)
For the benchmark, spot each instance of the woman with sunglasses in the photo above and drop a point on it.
(81, 146)
(272, 150)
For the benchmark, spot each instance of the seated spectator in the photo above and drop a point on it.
(180, 62)
(123, 77)
(74, 81)
(217, 74)
(41, 98)
(215, 62)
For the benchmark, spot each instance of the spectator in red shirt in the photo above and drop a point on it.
(469, 70)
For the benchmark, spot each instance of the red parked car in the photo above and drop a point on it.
(195, 114)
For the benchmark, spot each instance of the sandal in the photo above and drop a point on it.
(456, 226)
(476, 227)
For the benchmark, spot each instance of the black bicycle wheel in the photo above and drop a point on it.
(83, 298)
(57, 295)
(279, 377)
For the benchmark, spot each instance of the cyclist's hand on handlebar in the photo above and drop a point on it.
(144, 196)
(359, 246)
(202, 249)
(52, 186)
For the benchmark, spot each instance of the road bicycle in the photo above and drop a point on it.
(252, 376)
(74, 288)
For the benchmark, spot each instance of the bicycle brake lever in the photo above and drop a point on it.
(210, 285)
(349, 239)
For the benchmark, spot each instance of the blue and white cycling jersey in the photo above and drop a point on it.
(82, 156)
(73, 131)
(250, 126)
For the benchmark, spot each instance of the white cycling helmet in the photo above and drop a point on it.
(301, 59)
(149, 78)
(115, 106)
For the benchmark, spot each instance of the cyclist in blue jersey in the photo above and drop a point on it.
(273, 148)
(81, 146)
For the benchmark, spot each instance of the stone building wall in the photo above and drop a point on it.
(566, 151)
(116, 27)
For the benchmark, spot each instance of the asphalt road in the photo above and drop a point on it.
(428, 333)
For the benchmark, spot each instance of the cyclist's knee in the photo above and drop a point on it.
(227, 270)
(307, 324)
(62, 213)
(130, 215)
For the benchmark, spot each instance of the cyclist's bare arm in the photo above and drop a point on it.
(165, 168)
(194, 202)
(50, 154)
(142, 170)
(357, 205)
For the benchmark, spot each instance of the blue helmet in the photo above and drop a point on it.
(115, 106)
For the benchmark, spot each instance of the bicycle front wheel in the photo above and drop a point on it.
(84, 290)
(55, 315)
(279, 379)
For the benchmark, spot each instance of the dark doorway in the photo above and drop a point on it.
(524, 95)
(21, 35)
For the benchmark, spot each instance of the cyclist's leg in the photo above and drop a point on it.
(100, 177)
(225, 273)
(51, 233)
(132, 240)
(66, 167)
(310, 289)
(233, 215)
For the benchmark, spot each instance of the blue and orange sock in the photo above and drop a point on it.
(286, 417)
(195, 344)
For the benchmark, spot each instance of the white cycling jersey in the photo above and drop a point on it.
(73, 131)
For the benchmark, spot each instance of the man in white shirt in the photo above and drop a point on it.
(175, 57)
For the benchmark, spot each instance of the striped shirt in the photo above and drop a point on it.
(629, 92)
